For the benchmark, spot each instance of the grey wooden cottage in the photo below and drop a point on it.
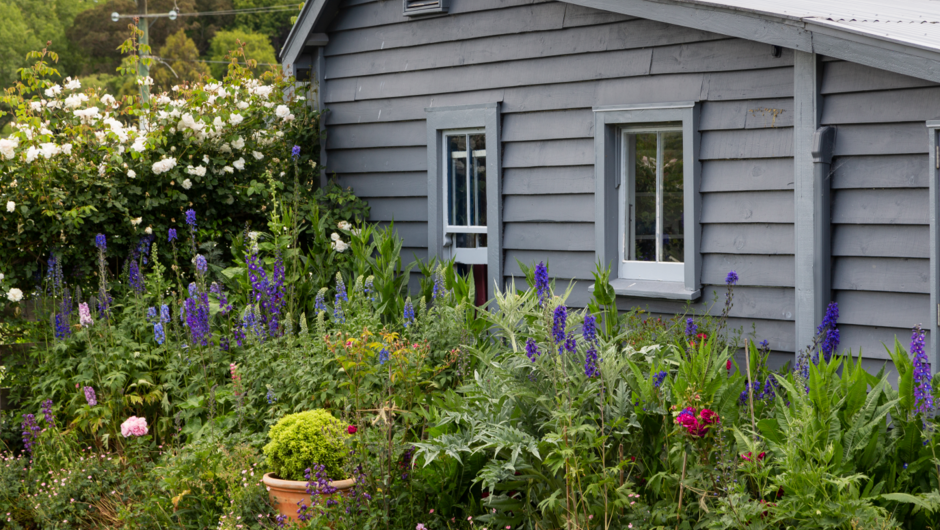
(674, 140)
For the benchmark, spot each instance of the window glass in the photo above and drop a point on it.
(457, 180)
(655, 207)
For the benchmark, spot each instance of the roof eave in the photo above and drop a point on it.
(313, 16)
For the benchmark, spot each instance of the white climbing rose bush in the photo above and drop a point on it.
(80, 162)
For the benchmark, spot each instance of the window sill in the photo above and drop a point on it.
(652, 289)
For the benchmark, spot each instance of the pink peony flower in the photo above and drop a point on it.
(134, 426)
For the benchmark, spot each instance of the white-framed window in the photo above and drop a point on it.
(464, 191)
(651, 243)
(647, 199)
(465, 195)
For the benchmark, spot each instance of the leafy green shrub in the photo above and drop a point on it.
(298, 441)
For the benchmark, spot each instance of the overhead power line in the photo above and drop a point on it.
(247, 10)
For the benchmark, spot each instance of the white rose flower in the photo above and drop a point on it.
(53, 91)
(218, 123)
(239, 143)
(73, 101)
(72, 84)
(102, 169)
(164, 165)
(131, 173)
(136, 221)
(225, 148)
(31, 154)
(199, 171)
(11, 206)
(2, 276)
(66, 148)
(163, 99)
(205, 159)
(108, 100)
(263, 91)
(8, 147)
(140, 144)
(242, 105)
(344, 225)
(339, 246)
(281, 111)
(14, 295)
(187, 184)
(239, 164)
(334, 236)
(35, 106)
(145, 81)
(257, 155)
(228, 169)
(268, 104)
(48, 150)
(148, 230)
(235, 119)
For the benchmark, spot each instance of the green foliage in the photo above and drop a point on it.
(179, 62)
(256, 47)
(300, 441)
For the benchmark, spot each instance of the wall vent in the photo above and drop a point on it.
(414, 8)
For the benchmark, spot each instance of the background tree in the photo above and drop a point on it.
(275, 25)
(16, 40)
(182, 56)
(257, 47)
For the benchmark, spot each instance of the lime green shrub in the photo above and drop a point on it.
(298, 441)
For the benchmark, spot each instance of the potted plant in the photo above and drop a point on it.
(304, 448)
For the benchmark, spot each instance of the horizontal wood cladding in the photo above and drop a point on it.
(385, 160)
(884, 106)
(750, 207)
(407, 184)
(400, 134)
(755, 143)
(771, 174)
(752, 238)
(548, 153)
(753, 270)
(548, 180)
(845, 76)
(891, 171)
(561, 124)
(899, 310)
(875, 206)
(390, 12)
(881, 241)
(765, 303)
(548, 209)
(871, 342)
(719, 86)
(413, 234)
(522, 19)
(881, 139)
(549, 236)
(900, 275)
(515, 46)
(750, 114)
(399, 209)
(567, 265)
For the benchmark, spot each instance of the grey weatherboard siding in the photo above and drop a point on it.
(549, 63)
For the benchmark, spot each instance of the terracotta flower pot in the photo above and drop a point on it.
(285, 494)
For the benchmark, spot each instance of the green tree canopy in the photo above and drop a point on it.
(179, 62)
(257, 47)
(16, 40)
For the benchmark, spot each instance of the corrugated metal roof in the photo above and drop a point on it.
(909, 22)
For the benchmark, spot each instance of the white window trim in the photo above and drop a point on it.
(442, 121)
(611, 169)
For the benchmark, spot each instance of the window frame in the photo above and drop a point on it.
(613, 171)
(441, 122)
(469, 256)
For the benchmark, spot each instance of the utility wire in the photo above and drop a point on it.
(264, 9)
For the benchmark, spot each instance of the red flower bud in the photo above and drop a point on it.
(728, 365)
(351, 429)
(761, 456)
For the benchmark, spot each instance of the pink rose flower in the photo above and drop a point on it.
(134, 426)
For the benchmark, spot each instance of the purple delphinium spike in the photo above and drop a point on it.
(30, 432)
(659, 378)
(171, 235)
(409, 312)
(690, 328)
(47, 413)
(164, 313)
(90, 396)
(923, 389)
(101, 242)
(590, 362)
(383, 356)
(135, 278)
(158, 334)
(202, 266)
(732, 278)
(532, 350)
(589, 330)
(319, 302)
(191, 218)
(560, 320)
(295, 152)
(439, 289)
(541, 282)
(828, 333)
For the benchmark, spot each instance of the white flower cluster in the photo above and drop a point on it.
(163, 165)
(14, 295)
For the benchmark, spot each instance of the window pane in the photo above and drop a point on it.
(478, 183)
(462, 240)
(457, 180)
(673, 240)
(644, 214)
